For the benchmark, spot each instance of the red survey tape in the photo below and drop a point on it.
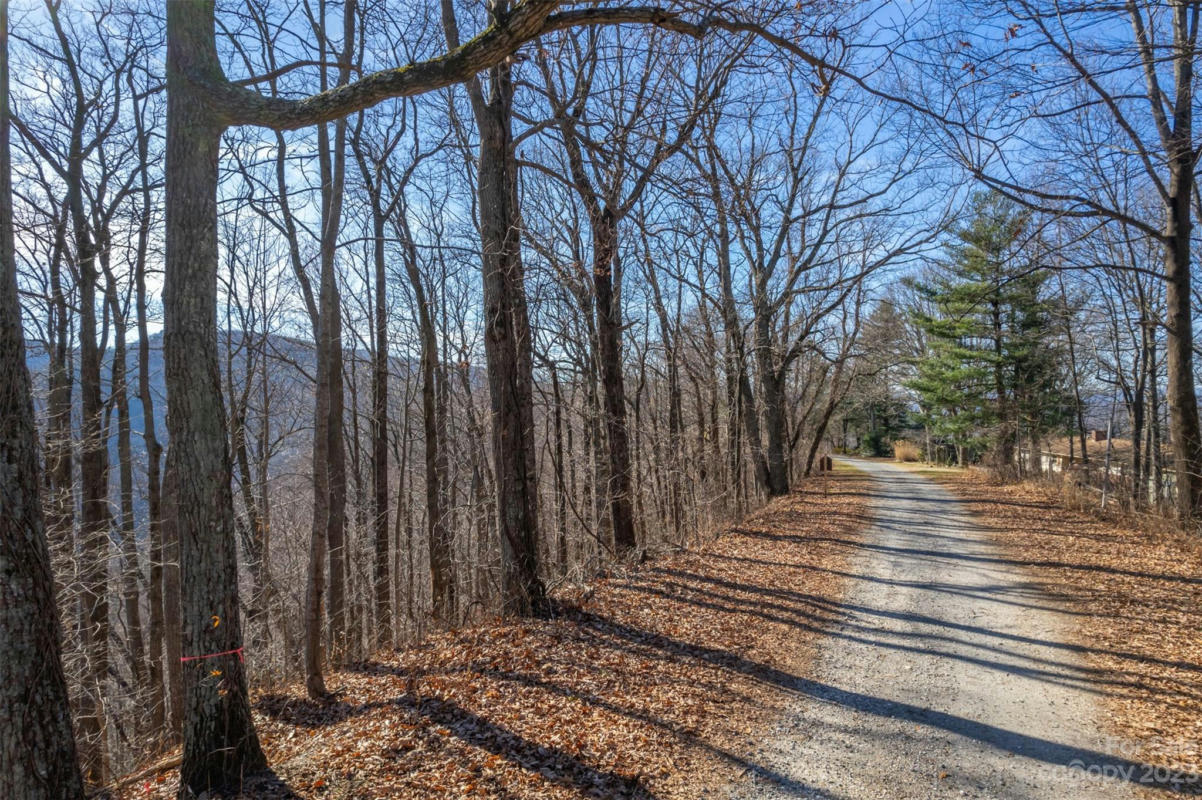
(237, 651)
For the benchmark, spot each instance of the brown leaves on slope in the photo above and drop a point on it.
(653, 683)
(1135, 596)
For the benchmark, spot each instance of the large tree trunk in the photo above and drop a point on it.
(1179, 351)
(329, 453)
(37, 747)
(379, 438)
(329, 482)
(507, 348)
(220, 744)
(330, 351)
(1181, 162)
(772, 392)
(772, 395)
(609, 356)
(315, 588)
(94, 491)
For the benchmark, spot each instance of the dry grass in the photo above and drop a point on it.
(1134, 588)
(906, 451)
(654, 683)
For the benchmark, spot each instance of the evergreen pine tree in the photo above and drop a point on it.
(990, 371)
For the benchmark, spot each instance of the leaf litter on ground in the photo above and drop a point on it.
(656, 681)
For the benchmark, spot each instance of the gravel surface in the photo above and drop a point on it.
(947, 676)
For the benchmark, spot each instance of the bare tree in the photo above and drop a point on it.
(1129, 105)
(220, 744)
(612, 154)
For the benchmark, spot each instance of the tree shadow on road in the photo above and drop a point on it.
(1047, 751)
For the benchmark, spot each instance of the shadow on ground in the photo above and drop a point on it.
(814, 613)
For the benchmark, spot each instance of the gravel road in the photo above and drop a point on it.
(947, 676)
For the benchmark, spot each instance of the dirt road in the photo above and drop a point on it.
(949, 675)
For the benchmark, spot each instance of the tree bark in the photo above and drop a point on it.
(675, 411)
(329, 452)
(94, 487)
(37, 747)
(561, 487)
(1179, 352)
(507, 347)
(507, 336)
(772, 392)
(379, 437)
(739, 390)
(1179, 345)
(442, 569)
(220, 745)
(609, 353)
(256, 534)
(157, 676)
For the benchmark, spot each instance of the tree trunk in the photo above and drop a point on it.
(1179, 344)
(256, 536)
(561, 486)
(94, 491)
(609, 356)
(442, 568)
(772, 394)
(329, 453)
(507, 348)
(60, 471)
(774, 423)
(220, 744)
(37, 747)
(1008, 425)
(742, 398)
(1154, 457)
(330, 301)
(1075, 373)
(820, 430)
(131, 569)
(1138, 414)
(157, 676)
(379, 439)
(315, 587)
(675, 411)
